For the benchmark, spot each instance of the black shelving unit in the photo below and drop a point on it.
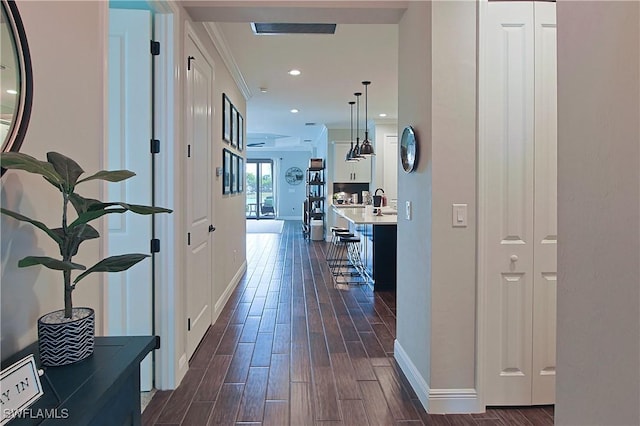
(314, 208)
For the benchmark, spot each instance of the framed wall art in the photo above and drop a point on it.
(226, 171)
(234, 126)
(226, 118)
(240, 174)
(240, 132)
(234, 173)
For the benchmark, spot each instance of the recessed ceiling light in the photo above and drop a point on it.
(12, 92)
(294, 72)
(263, 90)
(383, 115)
(295, 111)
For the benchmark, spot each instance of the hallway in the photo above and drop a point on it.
(289, 349)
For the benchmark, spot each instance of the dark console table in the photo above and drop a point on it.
(103, 389)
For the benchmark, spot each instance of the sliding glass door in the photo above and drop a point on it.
(261, 203)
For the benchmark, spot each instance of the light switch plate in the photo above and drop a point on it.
(459, 216)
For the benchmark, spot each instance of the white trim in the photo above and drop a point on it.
(436, 401)
(167, 370)
(217, 37)
(419, 385)
(454, 401)
(224, 298)
(101, 326)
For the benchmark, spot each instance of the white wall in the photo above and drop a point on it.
(454, 181)
(598, 336)
(436, 263)
(67, 116)
(414, 324)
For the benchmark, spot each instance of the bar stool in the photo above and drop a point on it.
(352, 270)
(336, 232)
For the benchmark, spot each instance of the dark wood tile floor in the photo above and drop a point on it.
(290, 349)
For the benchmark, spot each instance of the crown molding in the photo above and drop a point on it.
(217, 37)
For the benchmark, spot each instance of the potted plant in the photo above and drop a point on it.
(67, 335)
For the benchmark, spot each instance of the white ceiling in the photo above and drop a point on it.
(364, 47)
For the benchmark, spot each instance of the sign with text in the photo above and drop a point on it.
(19, 388)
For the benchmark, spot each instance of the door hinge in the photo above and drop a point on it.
(189, 59)
(189, 151)
(155, 146)
(188, 324)
(155, 48)
(155, 245)
(188, 238)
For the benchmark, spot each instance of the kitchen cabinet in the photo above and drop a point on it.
(349, 171)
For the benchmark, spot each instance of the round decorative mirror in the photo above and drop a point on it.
(408, 149)
(16, 85)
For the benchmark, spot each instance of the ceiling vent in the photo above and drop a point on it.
(309, 124)
(290, 28)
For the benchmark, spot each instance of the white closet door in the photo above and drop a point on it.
(508, 162)
(545, 216)
(199, 105)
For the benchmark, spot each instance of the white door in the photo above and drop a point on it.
(390, 181)
(129, 293)
(519, 207)
(198, 135)
(546, 206)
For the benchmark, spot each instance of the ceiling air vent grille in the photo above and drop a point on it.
(290, 28)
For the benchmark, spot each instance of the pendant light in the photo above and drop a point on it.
(350, 157)
(356, 149)
(366, 150)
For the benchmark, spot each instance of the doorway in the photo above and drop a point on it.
(261, 200)
(518, 203)
(130, 294)
(199, 83)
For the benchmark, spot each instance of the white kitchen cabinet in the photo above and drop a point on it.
(349, 171)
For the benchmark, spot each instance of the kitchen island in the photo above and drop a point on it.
(378, 242)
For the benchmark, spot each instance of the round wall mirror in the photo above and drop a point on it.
(16, 84)
(408, 149)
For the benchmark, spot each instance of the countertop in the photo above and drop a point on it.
(348, 206)
(360, 216)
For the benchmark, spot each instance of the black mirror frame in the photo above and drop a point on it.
(18, 129)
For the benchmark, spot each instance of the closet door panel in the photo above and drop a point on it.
(508, 167)
(546, 206)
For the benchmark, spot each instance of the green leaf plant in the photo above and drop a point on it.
(64, 173)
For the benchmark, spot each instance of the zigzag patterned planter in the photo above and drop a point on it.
(64, 341)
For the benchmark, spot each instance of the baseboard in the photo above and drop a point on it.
(230, 287)
(297, 217)
(454, 401)
(409, 369)
(437, 401)
(183, 367)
